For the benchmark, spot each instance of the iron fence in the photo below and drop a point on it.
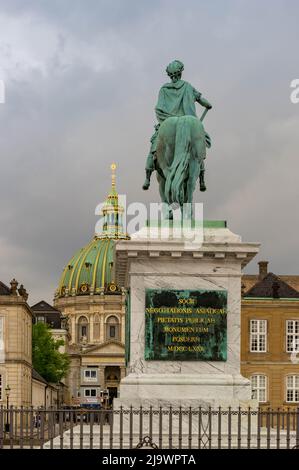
(156, 428)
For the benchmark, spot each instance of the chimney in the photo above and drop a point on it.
(263, 269)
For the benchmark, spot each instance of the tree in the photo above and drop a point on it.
(47, 360)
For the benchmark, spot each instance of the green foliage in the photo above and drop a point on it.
(51, 364)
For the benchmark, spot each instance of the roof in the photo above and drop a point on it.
(272, 286)
(4, 290)
(50, 315)
(249, 280)
(89, 270)
(43, 306)
(37, 376)
(292, 280)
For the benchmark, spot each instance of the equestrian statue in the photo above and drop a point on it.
(179, 143)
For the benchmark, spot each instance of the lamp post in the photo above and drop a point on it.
(7, 392)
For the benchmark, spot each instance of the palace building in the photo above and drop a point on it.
(45, 313)
(270, 337)
(20, 384)
(15, 346)
(94, 309)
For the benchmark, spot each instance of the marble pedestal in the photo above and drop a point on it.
(167, 262)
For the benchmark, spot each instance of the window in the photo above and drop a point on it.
(1, 339)
(112, 328)
(90, 392)
(90, 375)
(40, 320)
(0, 387)
(82, 329)
(292, 386)
(259, 388)
(1, 333)
(96, 327)
(112, 331)
(258, 335)
(292, 331)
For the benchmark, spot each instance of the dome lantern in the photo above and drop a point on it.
(112, 213)
(90, 271)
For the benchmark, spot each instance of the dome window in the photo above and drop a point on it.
(112, 328)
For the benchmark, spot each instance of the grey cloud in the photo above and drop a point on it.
(96, 71)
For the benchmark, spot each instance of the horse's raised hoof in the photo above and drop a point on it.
(203, 187)
(146, 185)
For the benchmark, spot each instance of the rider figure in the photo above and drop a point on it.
(176, 98)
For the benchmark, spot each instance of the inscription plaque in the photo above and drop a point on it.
(185, 325)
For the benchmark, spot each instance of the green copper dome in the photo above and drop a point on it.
(89, 270)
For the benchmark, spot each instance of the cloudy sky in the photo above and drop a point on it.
(81, 80)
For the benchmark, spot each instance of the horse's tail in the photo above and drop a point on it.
(174, 187)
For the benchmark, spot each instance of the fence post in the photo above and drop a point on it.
(268, 429)
(160, 427)
(278, 429)
(121, 428)
(249, 427)
(151, 423)
(21, 427)
(140, 424)
(180, 427)
(229, 428)
(81, 430)
(288, 428)
(190, 429)
(199, 427)
(60, 420)
(170, 428)
(239, 428)
(73, 417)
(102, 417)
(131, 428)
(31, 427)
(210, 426)
(219, 427)
(42, 427)
(111, 419)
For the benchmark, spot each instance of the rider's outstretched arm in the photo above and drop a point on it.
(205, 103)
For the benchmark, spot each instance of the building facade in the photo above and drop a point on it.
(45, 313)
(270, 338)
(94, 308)
(55, 394)
(15, 346)
(45, 394)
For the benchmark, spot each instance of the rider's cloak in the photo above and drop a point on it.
(176, 99)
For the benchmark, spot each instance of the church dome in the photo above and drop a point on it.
(90, 270)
